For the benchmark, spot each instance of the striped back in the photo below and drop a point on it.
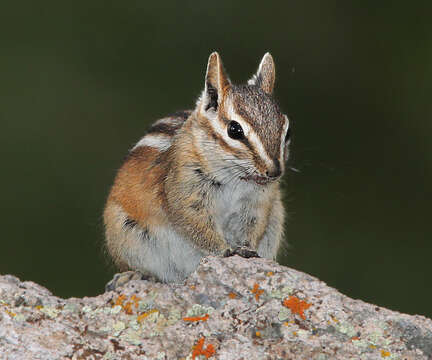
(160, 134)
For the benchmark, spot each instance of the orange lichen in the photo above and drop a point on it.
(192, 287)
(257, 333)
(10, 313)
(128, 306)
(121, 298)
(142, 316)
(372, 346)
(355, 338)
(257, 291)
(232, 295)
(135, 299)
(297, 306)
(385, 353)
(197, 318)
(199, 349)
(270, 273)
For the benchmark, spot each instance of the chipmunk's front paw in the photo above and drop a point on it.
(121, 279)
(241, 251)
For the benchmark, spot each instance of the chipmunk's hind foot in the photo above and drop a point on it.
(121, 279)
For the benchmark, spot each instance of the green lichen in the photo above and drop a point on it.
(90, 313)
(376, 338)
(346, 328)
(118, 327)
(100, 310)
(86, 309)
(153, 317)
(70, 307)
(116, 309)
(281, 293)
(174, 316)
(133, 324)
(284, 314)
(199, 310)
(362, 344)
(161, 324)
(148, 303)
(20, 318)
(132, 337)
(144, 306)
(303, 333)
(50, 312)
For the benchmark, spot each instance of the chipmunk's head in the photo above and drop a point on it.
(245, 128)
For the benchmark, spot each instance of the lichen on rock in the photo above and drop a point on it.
(228, 308)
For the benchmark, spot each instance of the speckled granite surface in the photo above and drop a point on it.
(230, 308)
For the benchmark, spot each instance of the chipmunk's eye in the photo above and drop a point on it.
(235, 130)
(288, 135)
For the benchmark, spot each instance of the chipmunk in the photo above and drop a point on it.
(203, 181)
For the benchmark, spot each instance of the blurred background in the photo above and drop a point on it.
(82, 80)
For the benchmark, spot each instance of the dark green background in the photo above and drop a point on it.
(81, 81)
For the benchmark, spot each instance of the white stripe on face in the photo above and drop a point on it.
(220, 128)
(282, 140)
(251, 135)
(161, 142)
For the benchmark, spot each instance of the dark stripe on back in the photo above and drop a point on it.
(173, 123)
(184, 114)
(167, 129)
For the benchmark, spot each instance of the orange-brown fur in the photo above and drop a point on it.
(138, 186)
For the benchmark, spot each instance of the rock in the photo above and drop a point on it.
(229, 308)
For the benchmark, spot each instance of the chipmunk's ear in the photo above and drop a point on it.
(265, 76)
(216, 83)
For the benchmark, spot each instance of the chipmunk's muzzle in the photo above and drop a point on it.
(275, 171)
(272, 174)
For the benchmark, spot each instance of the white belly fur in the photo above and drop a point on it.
(161, 252)
(237, 209)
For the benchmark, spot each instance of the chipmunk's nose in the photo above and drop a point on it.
(275, 171)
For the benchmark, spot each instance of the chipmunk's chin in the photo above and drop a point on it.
(260, 180)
